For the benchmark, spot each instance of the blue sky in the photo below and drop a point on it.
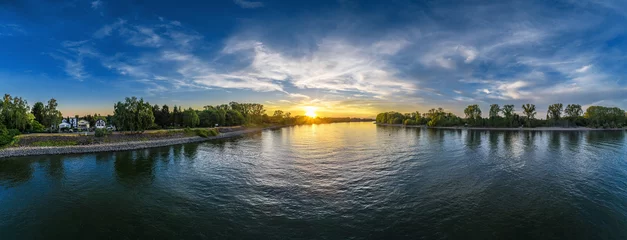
(347, 58)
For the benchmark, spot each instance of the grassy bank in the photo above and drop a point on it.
(81, 139)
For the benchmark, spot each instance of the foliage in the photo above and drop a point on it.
(555, 111)
(7, 135)
(36, 127)
(190, 118)
(101, 132)
(52, 116)
(14, 113)
(495, 109)
(133, 115)
(38, 112)
(213, 132)
(605, 117)
(595, 116)
(530, 111)
(573, 111)
(473, 114)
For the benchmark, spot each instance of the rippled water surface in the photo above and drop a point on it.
(333, 181)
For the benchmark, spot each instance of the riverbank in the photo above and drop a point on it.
(119, 146)
(507, 129)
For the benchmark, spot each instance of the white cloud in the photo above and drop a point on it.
(248, 4)
(335, 65)
(297, 95)
(583, 69)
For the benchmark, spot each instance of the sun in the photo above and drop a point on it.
(311, 112)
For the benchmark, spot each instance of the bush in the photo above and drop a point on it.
(101, 132)
(37, 127)
(213, 132)
(202, 133)
(6, 136)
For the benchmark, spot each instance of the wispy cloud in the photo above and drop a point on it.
(248, 4)
(96, 4)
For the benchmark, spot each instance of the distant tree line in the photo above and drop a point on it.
(136, 115)
(557, 116)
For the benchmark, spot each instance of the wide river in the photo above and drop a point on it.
(332, 181)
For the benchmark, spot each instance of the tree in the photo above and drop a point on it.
(52, 116)
(14, 112)
(38, 111)
(234, 118)
(190, 118)
(164, 120)
(530, 111)
(494, 110)
(508, 111)
(473, 112)
(573, 110)
(133, 115)
(555, 111)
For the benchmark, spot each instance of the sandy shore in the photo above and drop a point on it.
(508, 129)
(121, 146)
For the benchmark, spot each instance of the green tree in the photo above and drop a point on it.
(473, 113)
(573, 110)
(133, 115)
(52, 116)
(555, 111)
(38, 111)
(530, 111)
(190, 118)
(495, 109)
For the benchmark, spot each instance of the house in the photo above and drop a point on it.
(83, 125)
(100, 124)
(64, 125)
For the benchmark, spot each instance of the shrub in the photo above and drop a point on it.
(100, 132)
(202, 133)
(6, 136)
(37, 127)
(213, 132)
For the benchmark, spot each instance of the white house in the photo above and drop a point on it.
(100, 124)
(83, 125)
(64, 124)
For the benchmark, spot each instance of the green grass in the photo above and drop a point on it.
(54, 143)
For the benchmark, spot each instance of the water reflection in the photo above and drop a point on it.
(14, 172)
(135, 167)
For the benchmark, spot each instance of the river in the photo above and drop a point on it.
(329, 181)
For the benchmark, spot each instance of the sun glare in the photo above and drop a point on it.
(311, 112)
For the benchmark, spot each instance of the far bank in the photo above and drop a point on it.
(507, 129)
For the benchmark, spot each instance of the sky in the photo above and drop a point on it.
(344, 57)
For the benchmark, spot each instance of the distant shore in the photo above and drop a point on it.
(507, 129)
(120, 146)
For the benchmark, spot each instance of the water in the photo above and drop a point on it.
(333, 181)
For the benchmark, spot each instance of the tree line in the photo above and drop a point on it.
(557, 116)
(137, 115)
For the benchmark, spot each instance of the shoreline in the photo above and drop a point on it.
(506, 129)
(121, 146)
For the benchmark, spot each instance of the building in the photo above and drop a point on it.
(64, 124)
(83, 125)
(100, 124)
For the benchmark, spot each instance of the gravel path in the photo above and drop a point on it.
(110, 147)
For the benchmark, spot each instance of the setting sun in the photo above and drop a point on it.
(311, 112)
